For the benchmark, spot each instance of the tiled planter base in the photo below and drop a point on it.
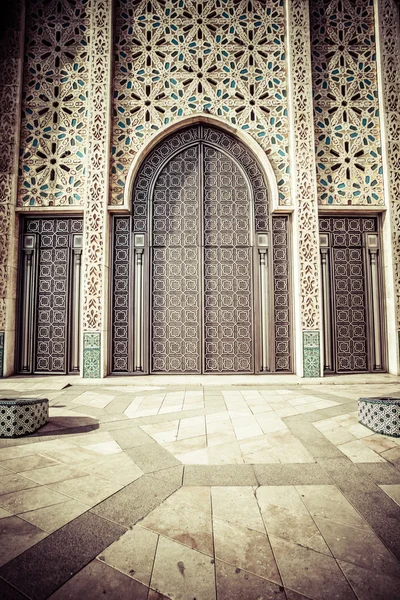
(382, 415)
(20, 416)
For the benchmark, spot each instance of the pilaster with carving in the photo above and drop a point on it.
(96, 217)
(389, 37)
(11, 53)
(304, 185)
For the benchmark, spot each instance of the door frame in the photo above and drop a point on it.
(263, 166)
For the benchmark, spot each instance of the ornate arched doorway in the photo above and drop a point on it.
(201, 274)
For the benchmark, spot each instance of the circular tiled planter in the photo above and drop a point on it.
(19, 416)
(382, 415)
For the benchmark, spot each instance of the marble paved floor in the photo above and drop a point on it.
(200, 492)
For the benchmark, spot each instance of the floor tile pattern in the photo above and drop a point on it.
(213, 492)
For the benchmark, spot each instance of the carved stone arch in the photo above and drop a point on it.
(220, 124)
(253, 262)
(150, 168)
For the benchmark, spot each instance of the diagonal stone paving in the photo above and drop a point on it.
(200, 491)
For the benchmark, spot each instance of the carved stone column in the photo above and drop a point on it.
(95, 282)
(306, 243)
(387, 19)
(11, 59)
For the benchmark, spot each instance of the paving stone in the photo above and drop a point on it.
(381, 473)
(371, 502)
(310, 573)
(290, 474)
(69, 548)
(219, 475)
(173, 474)
(98, 580)
(152, 457)
(135, 501)
(131, 437)
(370, 585)
(235, 584)
(17, 536)
(133, 553)
(7, 592)
(183, 573)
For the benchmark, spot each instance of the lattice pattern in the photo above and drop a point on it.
(349, 290)
(55, 103)
(10, 82)
(176, 296)
(389, 20)
(98, 165)
(307, 217)
(177, 58)
(347, 132)
(235, 149)
(282, 316)
(120, 310)
(52, 291)
(228, 302)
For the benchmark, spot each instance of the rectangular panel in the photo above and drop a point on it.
(175, 329)
(228, 294)
(52, 303)
(280, 259)
(228, 308)
(120, 306)
(349, 290)
(176, 276)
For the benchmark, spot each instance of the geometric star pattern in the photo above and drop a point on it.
(54, 103)
(346, 104)
(177, 58)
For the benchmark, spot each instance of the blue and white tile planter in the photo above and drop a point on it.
(20, 416)
(382, 415)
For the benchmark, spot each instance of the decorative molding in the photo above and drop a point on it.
(11, 40)
(92, 355)
(120, 301)
(304, 179)
(346, 104)
(389, 30)
(96, 194)
(1, 353)
(179, 59)
(311, 354)
(281, 294)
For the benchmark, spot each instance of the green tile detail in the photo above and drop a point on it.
(1, 353)
(311, 354)
(91, 355)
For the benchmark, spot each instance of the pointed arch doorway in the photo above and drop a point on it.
(193, 271)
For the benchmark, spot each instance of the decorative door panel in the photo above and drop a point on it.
(350, 309)
(228, 310)
(50, 295)
(176, 289)
(228, 281)
(175, 327)
(351, 294)
(197, 285)
(226, 201)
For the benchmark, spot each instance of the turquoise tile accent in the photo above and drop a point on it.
(91, 355)
(1, 353)
(311, 354)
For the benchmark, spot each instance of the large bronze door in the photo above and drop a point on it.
(201, 296)
(201, 270)
(352, 302)
(49, 296)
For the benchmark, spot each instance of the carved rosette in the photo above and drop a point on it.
(389, 22)
(94, 309)
(305, 178)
